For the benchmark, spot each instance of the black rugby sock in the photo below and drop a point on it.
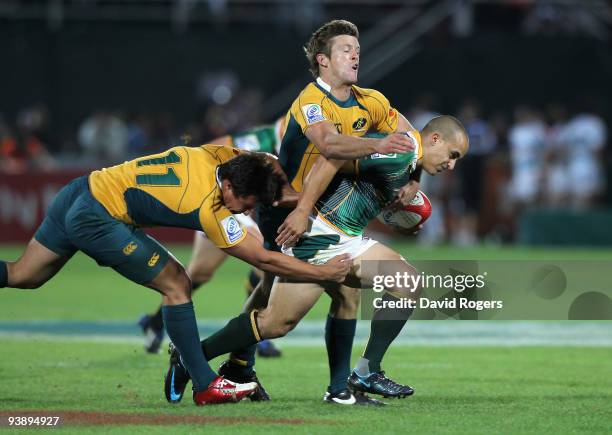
(339, 335)
(240, 332)
(183, 331)
(385, 326)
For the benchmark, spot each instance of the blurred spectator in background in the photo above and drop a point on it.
(557, 182)
(34, 121)
(584, 138)
(104, 137)
(138, 129)
(527, 139)
(164, 133)
(24, 150)
(423, 110)
(473, 171)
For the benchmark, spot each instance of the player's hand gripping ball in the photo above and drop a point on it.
(409, 217)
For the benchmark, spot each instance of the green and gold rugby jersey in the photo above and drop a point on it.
(352, 200)
(365, 110)
(177, 188)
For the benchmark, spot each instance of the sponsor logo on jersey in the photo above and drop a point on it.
(313, 113)
(360, 124)
(382, 156)
(232, 228)
(130, 248)
(153, 260)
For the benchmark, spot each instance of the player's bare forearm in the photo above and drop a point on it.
(292, 268)
(334, 145)
(344, 147)
(283, 265)
(316, 182)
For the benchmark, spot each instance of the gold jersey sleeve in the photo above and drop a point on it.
(176, 188)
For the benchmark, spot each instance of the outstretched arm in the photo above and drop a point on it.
(315, 184)
(334, 145)
(251, 251)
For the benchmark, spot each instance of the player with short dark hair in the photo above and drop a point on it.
(101, 215)
(206, 258)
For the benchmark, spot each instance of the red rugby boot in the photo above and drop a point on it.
(222, 390)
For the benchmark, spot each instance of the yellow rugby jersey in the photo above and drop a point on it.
(365, 110)
(177, 188)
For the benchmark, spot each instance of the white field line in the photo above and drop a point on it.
(311, 333)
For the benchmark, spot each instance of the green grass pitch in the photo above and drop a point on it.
(492, 389)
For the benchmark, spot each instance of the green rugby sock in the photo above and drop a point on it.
(182, 329)
(3, 274)
(339, 335)
(240, 332)
(385, 326)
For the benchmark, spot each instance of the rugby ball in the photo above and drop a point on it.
(410, 216)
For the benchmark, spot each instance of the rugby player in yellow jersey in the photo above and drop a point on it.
(325, 167)
(198, 188)
(329, 117)
(206, 258)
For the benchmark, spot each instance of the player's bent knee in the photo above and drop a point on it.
(174, 295)
(274, 328)
(283, 328)
(345, 302)
(201, 277)
(174, 283)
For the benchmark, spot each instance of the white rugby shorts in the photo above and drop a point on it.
(352, 245)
